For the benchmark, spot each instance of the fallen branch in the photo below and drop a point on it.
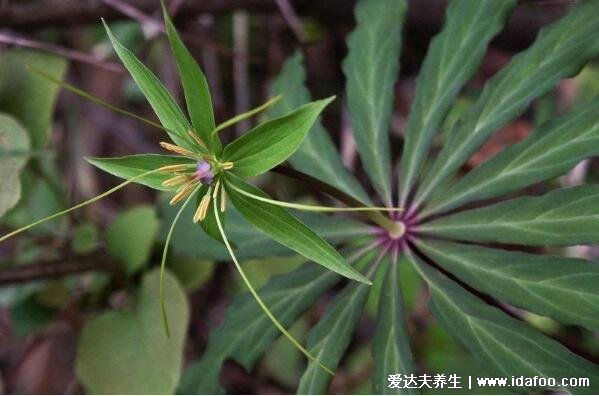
(21, 41)
(93, 262)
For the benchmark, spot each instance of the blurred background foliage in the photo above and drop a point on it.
(78, 295)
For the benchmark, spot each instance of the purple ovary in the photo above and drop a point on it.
(204, 172)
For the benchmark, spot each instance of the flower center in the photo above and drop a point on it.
(398, 235)
(204, 172)
(398, 231)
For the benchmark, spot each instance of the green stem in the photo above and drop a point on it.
(376, 217)
(163, 261)
(259, 299)
(245, 115)
(80, 205)
(396, 229)
(310, 208)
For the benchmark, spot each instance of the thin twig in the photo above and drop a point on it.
(147, 20)
(20, 41)
(240, 68)
(211, 65)
(96, 261)
(174, 6)
(150, 25)
(348, 142)
(294, 22)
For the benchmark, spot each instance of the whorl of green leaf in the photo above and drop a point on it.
(551, 150)
(502, 344)
(317, 156)
(452, 58)
(560, 287)
(391, 344)
(329, 339)
(563, 217)
(246, 333)
(371, 69)
(559, 51)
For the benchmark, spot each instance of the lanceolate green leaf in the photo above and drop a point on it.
(189, 240)
(247, 332)
(391, 345)
(562, 217)
(132, 166)
(329, 339)
(452, 57)
(165, 107)
(504, 346)
(271, 143)
(284, 228)
(195, 87)
(553, 149)
(317, 155)
(371, 69)
(560, 287)
(559, 51)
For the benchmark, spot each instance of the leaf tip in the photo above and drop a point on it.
(361, 278)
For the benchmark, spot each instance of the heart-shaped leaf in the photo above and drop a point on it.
(27, 96)
(14, 143)
(131, 236)
(128, 352)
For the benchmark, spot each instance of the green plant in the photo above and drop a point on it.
(469, 284)
(428, 234)
(204, 170)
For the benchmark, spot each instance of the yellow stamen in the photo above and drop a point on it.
(176, 149)
(228, 165)
(223, 201)
(196, 138)
(205, 209)
(215, 192)
(175, 168)
(183, 192)
(202, 210)
(175, 181)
